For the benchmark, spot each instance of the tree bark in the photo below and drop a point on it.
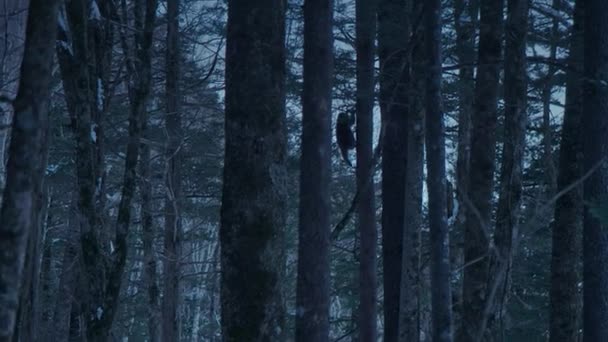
(510, 193)
(254, 195)
(595, 150)
(26, 160)
(481, 178)
(569, 207)
(441, 297)
(365, 27)
(313, 287)
(409, 303)
(82, 72)
(173, 224)
(393, 37)
(148, 234)
(465, 23)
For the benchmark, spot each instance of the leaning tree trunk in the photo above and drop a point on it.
(313, 287)
(478, 201)
(510, 193)
(365, 26)
(568, 207)
(26, 161)
(441, 297)
(595, 150)
(173, 224)
(393, 36)
(254, 194)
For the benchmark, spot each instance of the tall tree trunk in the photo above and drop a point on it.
(465, 23)
(409, 303)
(595, 150)
(510, 193)
(441, 296)
(478, 201)
(148, 234)
(254, 195)
(365, 27)
(173, 225)
(313, 288)
(393, 37)
(26, 160)
(568, 208)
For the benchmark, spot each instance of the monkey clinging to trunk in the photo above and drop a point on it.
(344, 134)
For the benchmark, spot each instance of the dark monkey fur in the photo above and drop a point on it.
(344, 134)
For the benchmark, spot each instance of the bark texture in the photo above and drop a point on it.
(478, 201)
(365, 28)
(313, 287)
(393, 37)
(565, 257)
(510, 192)
(253, 214)
(173, 223)
(26, 158)
(595, 150)
(441, 296)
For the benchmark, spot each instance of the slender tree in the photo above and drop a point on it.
(511, 172)
(26, 161)
(84, 53)
(465, 25)
(409, 303)
(173, 179)
(313, 295)
(254, 194)
(568, 207)
(365, 28)
(436, 180)
(595, 149)
(478, 201)
(393, 37)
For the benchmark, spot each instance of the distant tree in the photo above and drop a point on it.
(508, 213)
(254, 194)
(482, 163)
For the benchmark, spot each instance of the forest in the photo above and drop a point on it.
(304, 170)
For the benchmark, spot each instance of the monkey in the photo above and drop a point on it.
(344, 134)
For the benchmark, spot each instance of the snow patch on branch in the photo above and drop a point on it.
(94, 13)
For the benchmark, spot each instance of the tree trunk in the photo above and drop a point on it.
(595, 149)
(393, 37)
(465, 23)
(568, 208)
(441, 297)
(409, 303)
(254, 195)
(365, 27)
(82, 72)
(478, 201)
(510, 193)
(148, 234)
(26, 158)
(313, 288)
(173, 224)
